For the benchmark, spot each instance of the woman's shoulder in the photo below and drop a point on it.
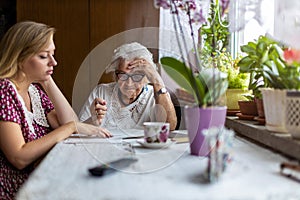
(105, 86)
(6, 87)
(4, 83)
(102, 90)
(108, 85)
(8, 94)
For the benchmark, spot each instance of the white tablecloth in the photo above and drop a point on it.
(170, 173)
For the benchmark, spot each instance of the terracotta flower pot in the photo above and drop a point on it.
(260, 111)
(233, 96)
(248, 108)
(260, 108)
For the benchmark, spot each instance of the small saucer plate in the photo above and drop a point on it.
(232, 112)
(245, 117)
(156, 145)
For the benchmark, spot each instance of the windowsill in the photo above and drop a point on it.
(281, 142)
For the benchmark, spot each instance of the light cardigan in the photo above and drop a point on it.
(130, 116)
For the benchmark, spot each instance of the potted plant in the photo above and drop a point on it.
(254, 63)
(285, 81)
(258, 59)
(271, 76)
(207, 85)
(214, 39)
(237, 82)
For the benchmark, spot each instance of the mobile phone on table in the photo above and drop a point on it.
(112, 166)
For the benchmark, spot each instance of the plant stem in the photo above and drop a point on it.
(198, 63)
(191, 75)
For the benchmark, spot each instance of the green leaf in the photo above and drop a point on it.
(246, 64)
(178, 72)
(184, 76)
(281, 68)
(249, 49)
(261, 49)
(265, 56)
(179, 78)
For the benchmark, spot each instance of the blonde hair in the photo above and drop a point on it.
(21, 41)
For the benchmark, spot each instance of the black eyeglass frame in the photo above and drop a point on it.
(132, 76)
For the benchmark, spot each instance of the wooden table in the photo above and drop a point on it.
(170, 173)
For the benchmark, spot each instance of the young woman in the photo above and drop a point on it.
(34, 114)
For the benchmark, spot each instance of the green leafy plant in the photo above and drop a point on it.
(214, 38)
(227, 64)
(265, 63)
(257, 61)
(281, 74)
(207, 85)
(214, 34)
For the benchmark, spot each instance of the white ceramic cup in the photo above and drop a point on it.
(156, 132)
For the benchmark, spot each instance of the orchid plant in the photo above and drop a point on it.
(206, 84)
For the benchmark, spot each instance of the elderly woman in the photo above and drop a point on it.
(137, 95)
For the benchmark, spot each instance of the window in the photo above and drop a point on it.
(251, 19)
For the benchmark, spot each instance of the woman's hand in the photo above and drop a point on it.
(89, 129)
(98, 110)
(142, 66)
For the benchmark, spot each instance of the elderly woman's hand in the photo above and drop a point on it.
(142, 66)
(136, 62)
(98, 110)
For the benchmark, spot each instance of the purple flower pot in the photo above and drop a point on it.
(198, 119)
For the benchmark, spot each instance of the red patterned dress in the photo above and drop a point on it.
(33, 125)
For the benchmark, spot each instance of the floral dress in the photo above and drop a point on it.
(33, 125)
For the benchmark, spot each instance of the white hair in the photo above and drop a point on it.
(129, 51)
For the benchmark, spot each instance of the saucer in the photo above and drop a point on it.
(232, 112)
(245, 117)
(155, 145)
(261, 121)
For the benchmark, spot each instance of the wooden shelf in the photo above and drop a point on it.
(281, 142)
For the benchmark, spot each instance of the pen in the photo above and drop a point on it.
(295, 167)
(132, 137)
(290, 170)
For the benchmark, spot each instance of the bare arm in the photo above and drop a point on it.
(63, 109)
(165, 101)
(20, 154)
(168, 112)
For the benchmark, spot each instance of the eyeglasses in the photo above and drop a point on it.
(134, 77)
